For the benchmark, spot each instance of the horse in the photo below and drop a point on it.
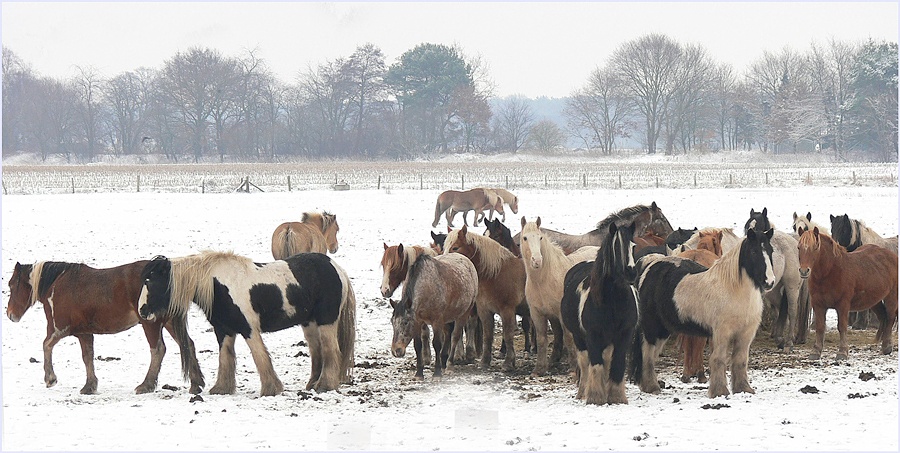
(803, 224)
(678, 237)
(395, 264)
(454, 201)
(511, 200)
(315, 232)
(723, 302)
(239, 296)
(851, 234)
(439, 290)
(849, 281)
(437, 242)
(501, 288)
(727, 238)
(545, 269)
(649, 243)
(645, 218)
(708, 250)
(497, 231)
(599, 307)
(82, 301)
(785, 298)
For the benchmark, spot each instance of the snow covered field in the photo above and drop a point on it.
(385, 409)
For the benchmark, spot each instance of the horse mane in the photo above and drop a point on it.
(809, 239)
(532, 227)
(191, 279)
(323, 220)
(45, 273)
(621, 216)
(410, 254)
(727, 268)
(493, 255)
(412, 277)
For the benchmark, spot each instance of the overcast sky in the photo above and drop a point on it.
(532, 49)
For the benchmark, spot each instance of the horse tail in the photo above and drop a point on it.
(287, 242)
(438, 210)
(347, 329)
(636, 367)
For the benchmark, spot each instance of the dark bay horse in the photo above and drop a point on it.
(501, 288)
(723, 302)
(499, 232)
(439, 291)
(81, 301)
(645, 218)
(849, 281)
(453, 201)
(599, 307)
(315, 232)
(239, 296)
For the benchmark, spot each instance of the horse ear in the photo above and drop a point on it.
(612, 228)
(653, 205)
(770, 233)
(393, 303)
(816, 231)
(449, 230)
(538, 222)
(400, 249)
(719, 235)
(385, 245)
(765, 212)
(433, 236)
(832, 217)
(809, 216)
(524, 221)
(752, 212)
(462, 231)
(795, 215)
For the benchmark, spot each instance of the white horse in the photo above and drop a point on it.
(545, 270)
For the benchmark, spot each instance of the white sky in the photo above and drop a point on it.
(531, 48)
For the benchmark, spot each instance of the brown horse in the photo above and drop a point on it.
(497, 231)
(454, 201)
(395, 263)
(645, 218)
(648, 239)
(315, 232)
(849, 281)
(82, 301)
(438, 291)
(708, 250)
(501, 287)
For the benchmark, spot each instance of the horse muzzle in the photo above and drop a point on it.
(398, 352)
(804, 273)
(12, 317)
(145, 314)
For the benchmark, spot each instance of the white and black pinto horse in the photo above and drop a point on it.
(599, 307)
(724, 302)
(240, 297)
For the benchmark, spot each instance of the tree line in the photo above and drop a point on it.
(836, 98)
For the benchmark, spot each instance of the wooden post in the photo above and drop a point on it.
(289, 183)
(584, 180)
(139, 183)
(730, 180)
(73, 185)
(421, 182)
(545, 180)
(695, 180)
(767, 178)
(335, 179)
(4, 187)
(620, 180)
(462, 185)
(202, 186)
(507, 182)
(657, 182)
(379, 183)
(854, 178)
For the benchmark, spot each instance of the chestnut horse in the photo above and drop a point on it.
(454, 201)
(849, 281)
(315, 232)
(82, 301)
(438, 291)
(501, 288)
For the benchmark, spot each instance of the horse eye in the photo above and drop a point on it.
(525, 239)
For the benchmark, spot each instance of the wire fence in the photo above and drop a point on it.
(283, 177)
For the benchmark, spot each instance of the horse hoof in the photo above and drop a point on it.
(216, 390)
(51, 383)
(815, 356)
(419, 377)
(701, 379)
(840, 356)
(685, 378)
(89, 390)
(195, 390)
(141, 389)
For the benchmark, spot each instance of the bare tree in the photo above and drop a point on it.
(514, 120)
(600, 112)
(87, 84)
(832, 66)
(546, 136)
(189, 83)
(17, 77)
(128, 97)
(689, 107)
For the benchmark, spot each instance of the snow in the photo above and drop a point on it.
(385, 409)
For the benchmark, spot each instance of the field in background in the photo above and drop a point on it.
(442, 175)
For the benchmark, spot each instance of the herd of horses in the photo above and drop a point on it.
(610, 297)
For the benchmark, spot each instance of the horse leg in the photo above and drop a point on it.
(890, 319)
(556, 352)
(53, 337)
(330, 357)
(616, 365)
(819, 316)
(450, 215)
(790, 326)
(270, 385)
(843, 322)
(456, 339)
(687, 348)
(487, 337)
(569, 341)
(442, 346)
(803, 312)
(153, 332)
(595, 390)
(583, 363)
(418, 344)
(509, 329)
(540, 323)
(87, 354)
(650, 353)
(178, 331)
(473, 342)
(313, 339)
(225, 376)
(426, 353)
(740, 357)
(718, 362)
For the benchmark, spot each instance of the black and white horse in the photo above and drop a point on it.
(599, 307)
(723, 302)
(852, 234)
(239, 296)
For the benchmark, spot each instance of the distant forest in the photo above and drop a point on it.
(838, 99)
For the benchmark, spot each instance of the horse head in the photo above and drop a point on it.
(678, 237)
(711, 242)
(808, 247)
(801, 223)
(457, 241)
(756, 258)
(21, 294)
(532, 241)
(658, 223)
(758, 221)
(156, 293)
(403, 325)
(393, 263)
(330, 229)
(842, 231)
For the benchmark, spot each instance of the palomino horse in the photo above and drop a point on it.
(511, 200)
(438, 291)
(784, 300)
(708, 250)
(852, 233)
(82, 301)
(802, 224)
(545, 269)
(315, 232)
(849, 281)
(501, 288)
(599, 307)
(723, 302)
(239, 296)
(645, 218)
(454, 201)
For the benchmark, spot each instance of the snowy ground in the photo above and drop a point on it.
(385, 409)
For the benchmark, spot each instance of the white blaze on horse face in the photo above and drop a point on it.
(142, 302)
(534, 246)
(770, 271)
(385, 284)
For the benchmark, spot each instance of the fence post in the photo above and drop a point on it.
(730, 180)
(545, 180)
(767, 178)
(584, 180)
(202, 186)
(507, 182)
(854, 178)
(657, 182)
(289, 183)
(73, 185)
(462, 185)
(695, 180)
(139, 183)
(620, 180)
(421, 182)
(379, 183)
(4, 185)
